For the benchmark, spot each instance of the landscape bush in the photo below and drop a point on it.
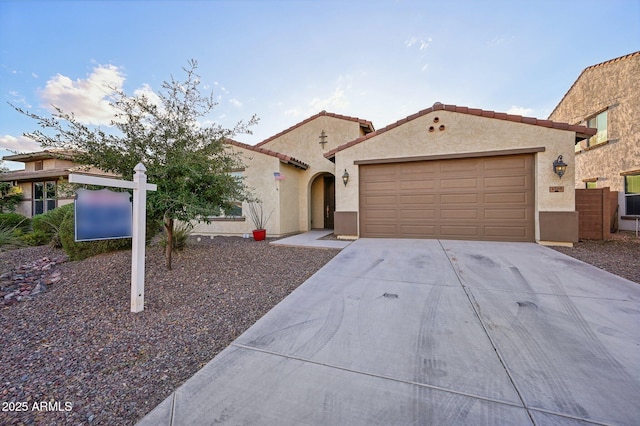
(46, 227)
(16, 221)
(78, 250)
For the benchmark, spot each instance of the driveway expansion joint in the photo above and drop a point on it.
(379, 376)
(475, 306)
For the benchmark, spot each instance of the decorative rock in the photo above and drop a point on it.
(28, 280)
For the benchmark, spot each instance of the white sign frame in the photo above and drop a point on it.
(140, 188)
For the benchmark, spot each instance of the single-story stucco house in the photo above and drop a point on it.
(447, 172)
(41, 177)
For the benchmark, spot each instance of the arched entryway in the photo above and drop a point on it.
(323, 201)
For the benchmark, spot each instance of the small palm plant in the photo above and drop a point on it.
(9, 238)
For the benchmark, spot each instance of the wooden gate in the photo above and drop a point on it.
(597, 213)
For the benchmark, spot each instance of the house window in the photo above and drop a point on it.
(44, 197)
(599, 122)
(632, 194)
(236, 210)
(591, 185)
(39, 165)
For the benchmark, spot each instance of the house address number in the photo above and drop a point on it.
(556, 189)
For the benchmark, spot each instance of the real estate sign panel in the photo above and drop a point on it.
(103, 215)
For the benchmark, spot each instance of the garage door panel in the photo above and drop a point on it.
(417, 231)
(417, 184)
(458, 183)
(381, 200)
(381, 186)
(458, 231)
(504, 182)
(459, 198)
(421, 214)
(505, 198)
(468, 214)
(486, 198)
(420, 199)
(382, 213)
(502, 232)
(504, 214)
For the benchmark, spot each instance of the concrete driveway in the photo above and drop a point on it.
(428, 332)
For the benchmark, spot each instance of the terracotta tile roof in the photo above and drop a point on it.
(581, 131)
(610, 61)
(283, 158)
(366, 124)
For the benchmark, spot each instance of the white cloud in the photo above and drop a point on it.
(421, 43)
(236, 103)
(20, 144)
(18, 99)
(516, 110)
(87, 98)
(337, 100)
(148, 93)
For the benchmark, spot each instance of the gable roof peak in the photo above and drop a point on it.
(368, 125)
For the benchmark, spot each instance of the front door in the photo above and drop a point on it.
(329, 201)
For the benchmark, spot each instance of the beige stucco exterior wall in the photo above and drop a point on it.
(258, 177)
(614, 86)
(465, 133)
(290, 198)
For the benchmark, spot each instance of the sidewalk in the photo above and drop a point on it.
(312, 239)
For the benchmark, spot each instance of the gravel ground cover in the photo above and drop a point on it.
(77, 355)
(620, 255)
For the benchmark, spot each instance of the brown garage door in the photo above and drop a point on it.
(486, 198)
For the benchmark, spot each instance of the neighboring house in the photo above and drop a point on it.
(445, 172)
(606, 96)
(40, 179)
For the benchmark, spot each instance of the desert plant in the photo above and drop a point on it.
(9, 238)
(257, 215)
(48, 224)
(181, 233)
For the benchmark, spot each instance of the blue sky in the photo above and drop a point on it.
(287, 60)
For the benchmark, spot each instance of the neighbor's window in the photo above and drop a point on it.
(632, 194)
(39, 165)
(44, 197)
(591, 185)
(599, 122)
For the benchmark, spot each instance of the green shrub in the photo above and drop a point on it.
(15, 220)
(35, 238)
(83, 249)
(48, 225)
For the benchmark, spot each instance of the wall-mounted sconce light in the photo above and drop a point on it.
(323, 138)
(345, 177)
(559, 166)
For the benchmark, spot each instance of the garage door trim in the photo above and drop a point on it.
(452, 156)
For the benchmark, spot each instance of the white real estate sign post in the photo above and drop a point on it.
(140, 188)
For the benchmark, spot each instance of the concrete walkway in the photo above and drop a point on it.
(312, 239)
(428, 332)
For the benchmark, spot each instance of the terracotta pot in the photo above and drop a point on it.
(259, 234)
